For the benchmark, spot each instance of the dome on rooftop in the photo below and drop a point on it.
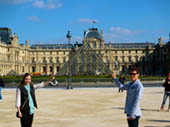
(93, 33)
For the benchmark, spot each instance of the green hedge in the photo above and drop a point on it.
(100, 78)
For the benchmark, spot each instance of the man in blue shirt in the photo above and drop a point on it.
(133, 97)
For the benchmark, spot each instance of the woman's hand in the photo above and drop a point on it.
(52, 78)
(114, 75)
(20, 114)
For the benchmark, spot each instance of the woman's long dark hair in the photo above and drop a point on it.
(22, 82)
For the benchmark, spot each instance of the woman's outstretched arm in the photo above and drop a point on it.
(41, 85)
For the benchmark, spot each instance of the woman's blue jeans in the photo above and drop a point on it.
(0, 94)
(165, 98)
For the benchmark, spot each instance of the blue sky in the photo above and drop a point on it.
(47, 21)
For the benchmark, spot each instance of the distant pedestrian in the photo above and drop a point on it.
(122, 81)
(166, 84)
(2, 84)
(26, 100)
(133, 97)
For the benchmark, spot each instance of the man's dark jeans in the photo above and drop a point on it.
(134, 123)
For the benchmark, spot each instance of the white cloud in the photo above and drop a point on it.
(39, 4)
(111, 37)
(14, 1)
(49, 4)
(120, 30)
(45, 4)
(86, 20)
(120, 34)
(165, 39)
(33, 19)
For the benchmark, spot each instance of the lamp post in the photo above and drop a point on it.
(69, 61)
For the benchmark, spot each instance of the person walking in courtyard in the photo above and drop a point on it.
(133, 96)
(2, 84)
(26, 100)
(166, 84)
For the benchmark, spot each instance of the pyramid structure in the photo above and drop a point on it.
(84, 61)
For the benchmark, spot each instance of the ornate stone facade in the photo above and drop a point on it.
(13, 56)
(47, 58)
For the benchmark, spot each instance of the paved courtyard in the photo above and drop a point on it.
(85, 107)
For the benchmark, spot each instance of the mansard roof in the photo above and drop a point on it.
(50, 46)
(5, 35)
(130, 45)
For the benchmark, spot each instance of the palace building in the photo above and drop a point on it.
(16, 58)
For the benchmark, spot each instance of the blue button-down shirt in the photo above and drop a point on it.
(133, 97)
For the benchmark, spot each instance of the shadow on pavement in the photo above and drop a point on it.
(153, 110)
(160, 121)
(156, 126)
(121, 108)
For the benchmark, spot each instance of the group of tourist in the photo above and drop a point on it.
(26, 99)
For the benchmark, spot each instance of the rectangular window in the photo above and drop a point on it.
(94, 44)
(8, 58)
(58, 68)
(123, 58)
(33, 69)
(136, 58)
(33, 60)
(64, 59)
(130, 58)
(44, 69)
(116, 58)
(44, 60)
(22, 69)
(57, 59)
(51, 69)
(51, 60)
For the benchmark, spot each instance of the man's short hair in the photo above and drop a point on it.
(134, 69)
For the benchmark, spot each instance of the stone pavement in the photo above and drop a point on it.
(85, 107)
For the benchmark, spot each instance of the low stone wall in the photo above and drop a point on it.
(93, 84)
